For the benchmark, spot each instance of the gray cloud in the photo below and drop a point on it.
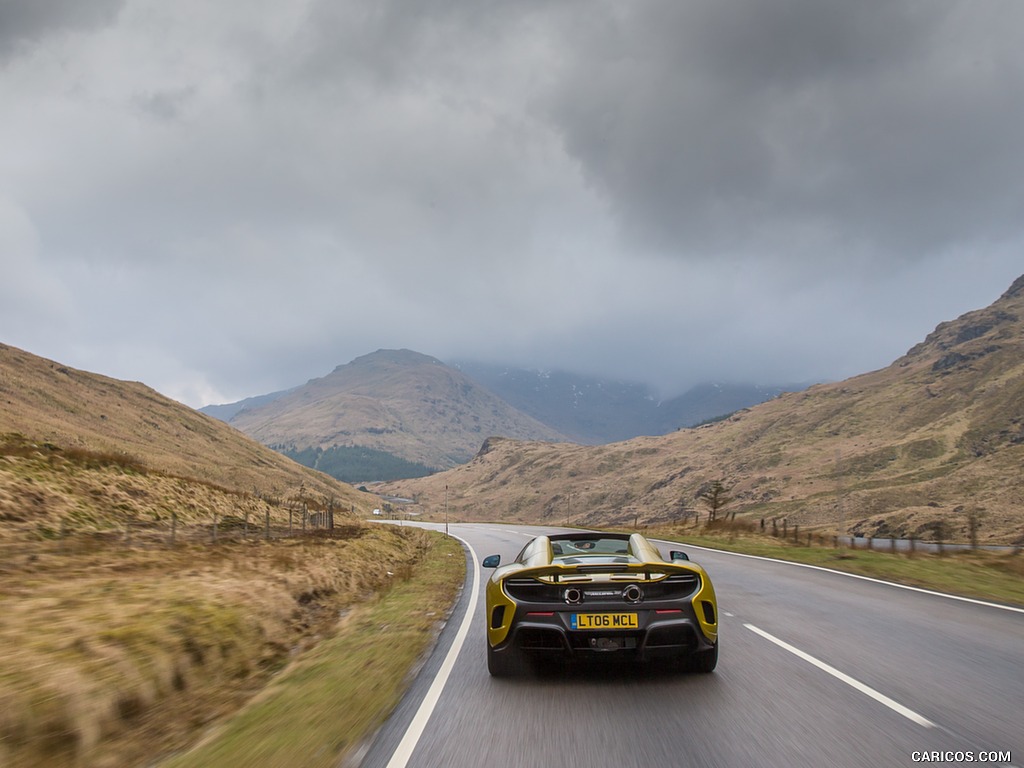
(713, 128)
(23, 23)
(224, 199)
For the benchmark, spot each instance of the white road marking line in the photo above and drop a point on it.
(895, 706)
(405, 748)
(962, 599)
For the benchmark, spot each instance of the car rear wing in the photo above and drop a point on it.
(654, 571)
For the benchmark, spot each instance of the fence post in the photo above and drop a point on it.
(214, 526)
(174, 527)
(796, 533)
(266, 534)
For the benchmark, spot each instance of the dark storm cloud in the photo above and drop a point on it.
(23, 22)
(718, 127)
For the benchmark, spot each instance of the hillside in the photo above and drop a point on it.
(151, 575)
(938, 436)
(394, 401)
(98, 449)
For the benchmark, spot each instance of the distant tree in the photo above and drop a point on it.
(974, 518)
(714, 498)
(942, 531)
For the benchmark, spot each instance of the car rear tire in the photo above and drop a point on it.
(504, 664)
(705, 661)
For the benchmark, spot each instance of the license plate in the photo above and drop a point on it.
(604, 621)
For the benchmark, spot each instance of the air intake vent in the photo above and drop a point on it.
(497, 616)
(709, 611)
(532, 591)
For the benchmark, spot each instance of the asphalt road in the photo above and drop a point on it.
(816, 669)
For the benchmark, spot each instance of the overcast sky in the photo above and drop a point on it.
(222, 199)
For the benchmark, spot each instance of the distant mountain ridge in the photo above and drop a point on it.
(227, 411)
(595, 411)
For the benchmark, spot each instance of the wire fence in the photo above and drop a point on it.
(689, 519)
(173, 531)
(908, 546)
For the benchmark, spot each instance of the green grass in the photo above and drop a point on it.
(331, 699)
(983, 575)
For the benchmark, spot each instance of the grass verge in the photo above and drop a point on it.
(118, 655)
(982, 575)
(328, 701)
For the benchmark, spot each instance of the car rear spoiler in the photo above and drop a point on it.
(649, 571)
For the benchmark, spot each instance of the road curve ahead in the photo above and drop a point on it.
(816, 669)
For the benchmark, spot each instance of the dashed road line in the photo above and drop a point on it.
(867, 690)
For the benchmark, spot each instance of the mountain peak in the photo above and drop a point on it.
(395, 401)
(403, 357)
(983, 329)
(1016, 290)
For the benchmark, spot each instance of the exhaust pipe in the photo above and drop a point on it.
(632, 594)
(573, 596)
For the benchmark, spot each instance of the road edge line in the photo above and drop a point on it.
(400, 757)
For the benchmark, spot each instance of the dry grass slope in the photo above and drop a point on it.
(50, 403)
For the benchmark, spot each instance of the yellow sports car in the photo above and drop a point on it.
(599, 595)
